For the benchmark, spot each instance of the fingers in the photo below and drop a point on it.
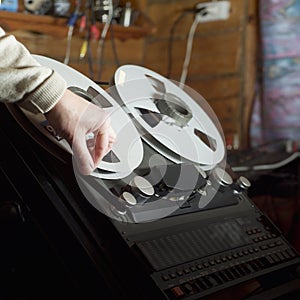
(83, 153)
(90, 149)
(103, 144)
(86, 127)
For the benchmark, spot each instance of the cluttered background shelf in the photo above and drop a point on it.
(58, 26)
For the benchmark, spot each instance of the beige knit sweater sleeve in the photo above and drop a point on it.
(24, 80)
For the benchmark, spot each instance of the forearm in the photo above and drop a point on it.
(23, 80)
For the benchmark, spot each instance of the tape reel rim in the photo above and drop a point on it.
(116, 112)
(127, 74)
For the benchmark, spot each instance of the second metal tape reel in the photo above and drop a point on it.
(127, 152)
(171, 121)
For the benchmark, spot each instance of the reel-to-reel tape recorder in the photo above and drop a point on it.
(186, 227)
(169, 145)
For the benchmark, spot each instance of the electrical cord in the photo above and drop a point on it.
(90, 60)
(101, 42)
(114, 48)
(71, 24)
(93, 33)
(188, 53)
(69, 42)
(170, 43)
(265, 167)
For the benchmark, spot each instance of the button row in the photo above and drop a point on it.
(264, 237)
(270, 245)
(209, 263)
(217, 278)
(252, 231)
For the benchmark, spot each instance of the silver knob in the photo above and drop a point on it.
(142, 186)
(129, 198)
(243, 183)
(222, 177)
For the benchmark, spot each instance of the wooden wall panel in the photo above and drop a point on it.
(224, 55)
(42, 44)
(228, 106)
(129, 51)
(230, 115)
(217, 87)
(165, 13)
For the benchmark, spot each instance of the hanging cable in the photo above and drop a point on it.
(71, 24)
(188, 52)
(69, 42)
(83, 27)
(94, 31)
(101, 42)
(93, 34)
(113, 44)
(170, 43)
(86, 51)
(90, 61)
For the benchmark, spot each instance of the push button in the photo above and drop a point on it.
(202, 284)
(217, 278)
(285, 254)
(177, 291)
(165, 277)
(188, 288)
(228, 274)
(290, 252)
(270, 260)
(210, 281)
(193, 269)
(196, 285)
(224, 276)
(235, 272)
(281, 257)
(275, 258)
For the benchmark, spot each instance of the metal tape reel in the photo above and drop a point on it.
(127, 152)
(171, 119)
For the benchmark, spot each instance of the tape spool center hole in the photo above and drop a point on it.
(172, 106)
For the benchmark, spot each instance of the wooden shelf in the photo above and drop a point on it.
(11, 21)
(57, 27)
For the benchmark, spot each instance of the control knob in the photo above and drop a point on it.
(242, 184)
(221, 177)
(129, 198)
(141, 188)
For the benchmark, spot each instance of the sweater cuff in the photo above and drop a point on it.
(44, 98)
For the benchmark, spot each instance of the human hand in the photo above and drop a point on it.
(86, 127)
